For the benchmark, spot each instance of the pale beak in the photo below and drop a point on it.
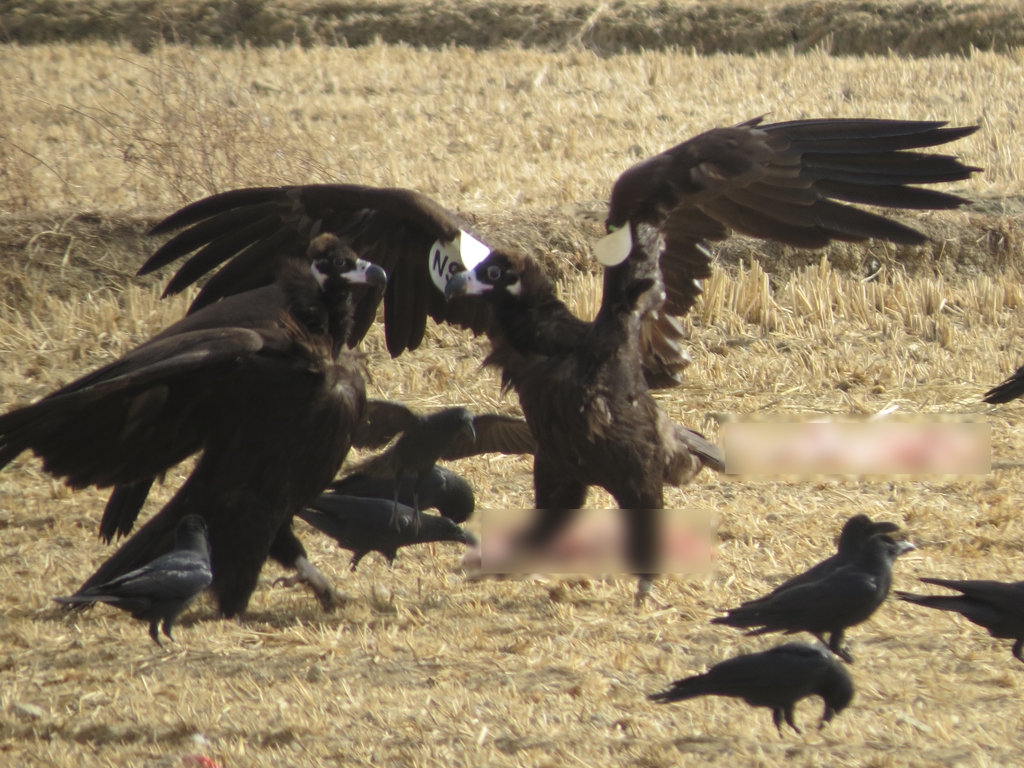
(465, 284)
(367, 272)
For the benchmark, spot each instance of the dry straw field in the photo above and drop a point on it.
(421, 667)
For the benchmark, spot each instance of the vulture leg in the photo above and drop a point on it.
(1018, 646)
(642, 513)
(289, 552)
(557, 500)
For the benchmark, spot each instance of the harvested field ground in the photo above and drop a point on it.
(422, 667)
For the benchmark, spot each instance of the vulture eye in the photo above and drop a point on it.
(339, 261)
(493, 273)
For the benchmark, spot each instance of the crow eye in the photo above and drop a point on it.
(493, 273)
(339, 262)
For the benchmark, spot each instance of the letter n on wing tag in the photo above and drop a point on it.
(446, 257)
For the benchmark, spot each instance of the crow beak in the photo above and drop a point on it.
(465, 284)
(467, 429)
(369, 273)
(906, 546)
(469, 539)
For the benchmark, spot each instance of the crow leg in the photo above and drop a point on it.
(154, 625)
(1018, 646)
(777, 715)
(167, 625)
(836, 646)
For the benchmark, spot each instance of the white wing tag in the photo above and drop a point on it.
(446, 257)
(613, 249)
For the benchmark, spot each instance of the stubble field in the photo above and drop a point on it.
(421, 667)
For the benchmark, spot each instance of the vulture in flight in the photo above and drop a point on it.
(584, 386)
(252, 382)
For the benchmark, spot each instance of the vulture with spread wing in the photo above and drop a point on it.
(253, 384)
(579, 384)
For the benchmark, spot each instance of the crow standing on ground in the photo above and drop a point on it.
(441, 489)
(252, 383)
(777, 679)
(844, 598)
(995, 605)
(162, 589)
(855, 534)
(366, 525)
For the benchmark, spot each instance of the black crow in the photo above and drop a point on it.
(846, 597)
(995, 605)
(579, 383)
(855, 534)
(777, 679)
(451, 433)
(365, 525)
(252, 382)
(160, 590)
(441, 489)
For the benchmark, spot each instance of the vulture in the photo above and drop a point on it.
(995, 605)
(253, 384)
(777, 678)
(585, 386)
(579, 383)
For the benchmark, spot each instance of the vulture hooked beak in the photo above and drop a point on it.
(465, 284)
(369, 273)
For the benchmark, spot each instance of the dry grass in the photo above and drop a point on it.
(846, 27)
(98, 127)
(421, 667)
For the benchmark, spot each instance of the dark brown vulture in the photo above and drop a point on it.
(252, 383)
(579, 384)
